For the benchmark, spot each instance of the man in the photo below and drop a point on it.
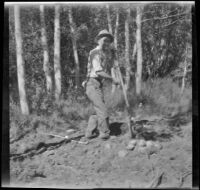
(99, 62)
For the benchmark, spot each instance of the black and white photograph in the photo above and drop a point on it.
(100, 94)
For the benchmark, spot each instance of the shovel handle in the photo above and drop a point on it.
(125, 97)
(122, 84)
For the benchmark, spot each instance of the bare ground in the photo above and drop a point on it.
(38, 160)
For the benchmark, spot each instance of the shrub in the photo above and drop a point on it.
(160, 96)
(165, 95)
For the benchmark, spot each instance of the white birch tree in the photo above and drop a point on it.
(139, 51)
(127, 48)
(20, 62)
(74, 44)
(46, 64)
(109, 19)
(57, 67)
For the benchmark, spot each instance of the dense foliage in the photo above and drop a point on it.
(166, 44)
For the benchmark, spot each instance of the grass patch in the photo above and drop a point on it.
(158, 96)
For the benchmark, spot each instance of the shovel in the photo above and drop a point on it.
(125, 98)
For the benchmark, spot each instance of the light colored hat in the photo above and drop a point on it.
(104, 33)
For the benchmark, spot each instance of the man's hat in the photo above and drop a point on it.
(104, 33)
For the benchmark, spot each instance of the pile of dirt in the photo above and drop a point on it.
(69, 164)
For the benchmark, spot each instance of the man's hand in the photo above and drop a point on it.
(84, 83)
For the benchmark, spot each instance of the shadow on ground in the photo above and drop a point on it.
(155, 136)
(119, 128)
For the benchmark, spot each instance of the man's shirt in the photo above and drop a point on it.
(98, 61)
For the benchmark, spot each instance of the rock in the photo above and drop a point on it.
(149, 144)
(122, 153)
(108, 146)
(141, 143)
(157, 145)
(134, 141)
(112, 137)
(131, 145)
(152, 150)
(70, 131)
(142, 149)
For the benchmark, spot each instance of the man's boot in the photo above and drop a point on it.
(104, 129)
(92, 127)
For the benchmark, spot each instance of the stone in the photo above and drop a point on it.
(149, 144)
(141, 143)
(158, 145)
(152, 150)
(142, 149)
(131, 145)
(70, 131)
(122, 153)
(107, 146)
(133, 142)
(113, 137)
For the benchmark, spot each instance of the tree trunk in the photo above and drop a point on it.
(74, 44)
(134, 51)
(115, 74)
(115, 45)
(46, 65)
(139, 51)
(57, 69)
(109, 19)
(133, 56)
(20, 62)
(116, 28)
(184, 75)
(127, 49)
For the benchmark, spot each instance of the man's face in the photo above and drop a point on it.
(105, 43)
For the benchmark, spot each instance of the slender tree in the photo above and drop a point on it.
(116, 29)
(46, 64)
(57, 69)
(134, 51)
(109, 19)
(74, 44)
(184, 72)
(113, 71)
(127, 48)
(139, 51)
(20, 62)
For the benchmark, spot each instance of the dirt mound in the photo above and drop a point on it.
(68, 164)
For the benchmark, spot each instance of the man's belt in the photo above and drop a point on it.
(97, 79)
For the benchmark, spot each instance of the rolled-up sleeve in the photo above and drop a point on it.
(96, 62)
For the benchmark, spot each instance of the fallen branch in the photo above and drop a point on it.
(156, 181)
(40, 147)
(182, 178)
